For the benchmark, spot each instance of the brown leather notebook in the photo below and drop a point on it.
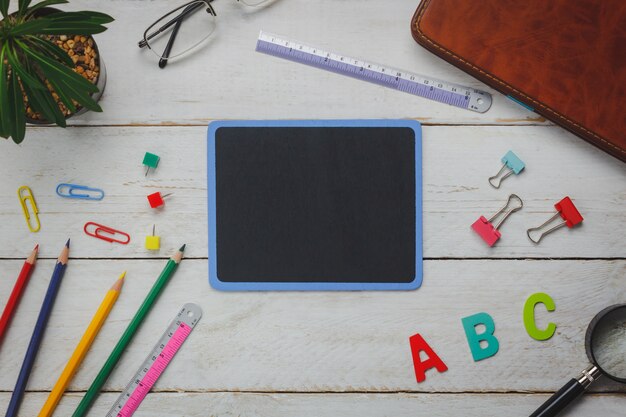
(564, 59)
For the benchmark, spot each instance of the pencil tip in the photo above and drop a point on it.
(67, 243)
(36, 247)
(182, 248)
(117, 285)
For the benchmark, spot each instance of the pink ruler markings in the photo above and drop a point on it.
(155, 371)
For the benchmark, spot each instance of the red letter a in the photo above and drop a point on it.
(418, 344)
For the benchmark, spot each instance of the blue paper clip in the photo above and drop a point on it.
(69, 191)
(511, 162)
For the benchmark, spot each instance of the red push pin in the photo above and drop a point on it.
(568, 212)
(486, 230)
(156, 199)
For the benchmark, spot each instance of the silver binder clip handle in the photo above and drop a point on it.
(512, 210)
(500, 179)
(534, 230)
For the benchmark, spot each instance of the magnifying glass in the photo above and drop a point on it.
(605, 342)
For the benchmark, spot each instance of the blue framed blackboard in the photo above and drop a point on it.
(315, 205)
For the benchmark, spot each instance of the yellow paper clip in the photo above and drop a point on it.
(23, 199)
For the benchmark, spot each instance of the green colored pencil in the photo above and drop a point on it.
(126, 338)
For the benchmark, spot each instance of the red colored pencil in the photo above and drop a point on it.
(17, 292)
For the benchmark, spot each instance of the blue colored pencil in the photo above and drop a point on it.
(40, 327)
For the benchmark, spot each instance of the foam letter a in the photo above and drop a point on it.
(418, 345)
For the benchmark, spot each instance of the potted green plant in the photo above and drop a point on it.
(50, 67)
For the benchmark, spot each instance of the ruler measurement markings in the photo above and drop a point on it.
(434, 89)
(156, 362)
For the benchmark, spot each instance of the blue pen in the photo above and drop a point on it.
(40, 327)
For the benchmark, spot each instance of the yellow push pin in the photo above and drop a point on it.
(153, 242)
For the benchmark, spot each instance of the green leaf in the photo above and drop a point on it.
(67, 84)
(81, 97)
(77, 23)
(18, 116)
(55, 70)
(52, 50)
(30, 79)
(4, 7)
(6, 112)
(102, 18)
(42, 101)
(45, 3)
(82, 16)
(22, 7)
(64, 97)
(31, 27)
(75, 28)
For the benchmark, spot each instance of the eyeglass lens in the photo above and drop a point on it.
(191, 25)
(254, 2)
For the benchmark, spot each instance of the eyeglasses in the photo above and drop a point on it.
(199, 19)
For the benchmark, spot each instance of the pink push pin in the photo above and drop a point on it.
(156, 199)
(486, 230)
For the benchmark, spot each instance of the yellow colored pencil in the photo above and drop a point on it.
(83, 347)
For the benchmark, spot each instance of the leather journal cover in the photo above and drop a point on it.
(564, 59)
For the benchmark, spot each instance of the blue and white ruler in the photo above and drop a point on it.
(419, 85)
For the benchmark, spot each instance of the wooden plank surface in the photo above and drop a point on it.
(456, 191)
(228, 79)
(325, 342)
(305, 354)
(363, 405)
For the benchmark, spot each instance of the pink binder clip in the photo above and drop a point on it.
(568, 212)
(486, 230)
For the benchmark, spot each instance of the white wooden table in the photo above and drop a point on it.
(309, 354)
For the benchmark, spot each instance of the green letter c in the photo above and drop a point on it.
(529, 316)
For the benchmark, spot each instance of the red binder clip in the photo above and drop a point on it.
(106, 233)
(486, 230)
(568, 212)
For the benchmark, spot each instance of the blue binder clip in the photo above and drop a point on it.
(511, 162)
(70, 191)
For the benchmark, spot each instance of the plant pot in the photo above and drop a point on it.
(100, 81)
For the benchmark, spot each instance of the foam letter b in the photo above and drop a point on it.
(418, 344)
(529, 316)
(473, 339)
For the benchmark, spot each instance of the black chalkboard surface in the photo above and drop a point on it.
(315, 205)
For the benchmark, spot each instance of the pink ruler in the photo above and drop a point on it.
(156, 362)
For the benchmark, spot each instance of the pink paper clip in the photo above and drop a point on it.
(486, 230)
(568, 212)
(105, 233)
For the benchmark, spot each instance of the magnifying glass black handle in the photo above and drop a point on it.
(560, 399)
(568, 393)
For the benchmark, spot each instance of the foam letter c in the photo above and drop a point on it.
(529, 316)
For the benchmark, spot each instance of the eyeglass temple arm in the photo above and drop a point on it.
(188, 10)
(170, 44)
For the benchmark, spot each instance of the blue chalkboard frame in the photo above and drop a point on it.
(312, 286)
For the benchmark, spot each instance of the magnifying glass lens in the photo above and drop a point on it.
(608, 343)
